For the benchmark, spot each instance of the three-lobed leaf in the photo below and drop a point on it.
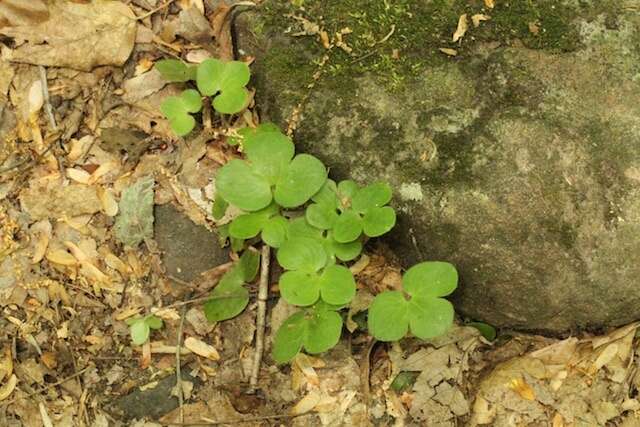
(241, 186)
(178, 108)
(316, 330)
(303, 177)
(226, 82)
(302, 253)
(335, 285)
(426, 313)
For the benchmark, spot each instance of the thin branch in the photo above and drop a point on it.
(178, 367)
(152, 11)
(263, 295)
(237, 421)
(45, 94)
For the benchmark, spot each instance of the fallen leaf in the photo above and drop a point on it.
(201, 348)
(534, 28)
(462, 28)
(108, 201)
(79, 36)
(479, 17)
(307, 403)
(448, 51)
(490, 3)
(134, 222)
(523, 389)
(8, 387)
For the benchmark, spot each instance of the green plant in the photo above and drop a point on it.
(315, 224)
(224, 82)
(140, 328)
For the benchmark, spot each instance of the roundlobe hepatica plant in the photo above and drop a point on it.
(316, 225)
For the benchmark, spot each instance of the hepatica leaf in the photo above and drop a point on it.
(270, 173)
(178, 108)
(230, 297)
(316, 330)
(225, 81)
(134, 222)
(175, 70)
(426, 314)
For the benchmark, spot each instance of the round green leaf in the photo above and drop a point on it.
(377, 221)
(347, 189)
(429, 317)
(289, 338)
(228, 299)
(248, 265)
(139, 332)
(323, 331)
(346, 251)
(347, 227)
(274, 232)
(299, 288)
(321, 215)
(240, 186)
(337, 285)
(182, 124)
(388, 318)
(372, 196)
(301, 180)
(269, 153)
(302, 253)
(175, 70)
(231, 100)
(171, 107)
(247, 226)
(153, 321)
(219, 208)
(191, 100)
(208, 76)
(327, 195)
(299, 227)
(430, 279)
(235, 74)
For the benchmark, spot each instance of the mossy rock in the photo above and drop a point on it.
(518, 159)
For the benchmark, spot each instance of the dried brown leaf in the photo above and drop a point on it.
(201, 348)
(462, 28)
(79, 36)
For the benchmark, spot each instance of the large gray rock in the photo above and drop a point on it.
(518, 161)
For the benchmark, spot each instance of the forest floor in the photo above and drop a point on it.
(79, 125)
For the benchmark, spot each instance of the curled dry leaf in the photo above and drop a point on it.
(42, 232)
(201, 348)
(78, 175)
(462, 28)
(490, 3)
(62, 257)
(479, 17)
(108, 201)
(8, 387)
(36, 97)
(523, 389)
(448, 51)
(307, 403)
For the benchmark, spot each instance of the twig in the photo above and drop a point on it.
(263, 294)
(178, 367)
(45, 94)
(152, 11)
(238, 421)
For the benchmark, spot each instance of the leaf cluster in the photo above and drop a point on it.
(224, 82)
(140, 328)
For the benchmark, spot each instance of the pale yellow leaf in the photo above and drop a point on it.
(62, 257)
(201, 348)
(479, 17)
(127, 312)
(78, 175)
(523, 389)
(490, 3)
(167, 313)
(108, 201)
(462, 28)
(307, 403)
(42, 231)
(36, 98)
(448, 51)
(606, 356)
(8, 387)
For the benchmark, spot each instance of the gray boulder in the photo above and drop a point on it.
(518, 160)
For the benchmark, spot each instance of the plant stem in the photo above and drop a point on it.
(263, 294)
